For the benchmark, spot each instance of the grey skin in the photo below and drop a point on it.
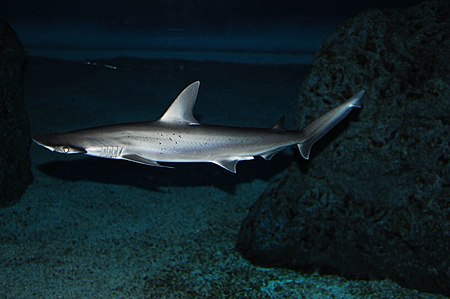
(178, 137)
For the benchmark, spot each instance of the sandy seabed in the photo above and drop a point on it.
(97, 228)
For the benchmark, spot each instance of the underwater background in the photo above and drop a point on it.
(98, 228)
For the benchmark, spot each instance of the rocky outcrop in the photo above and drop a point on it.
(374, 201)
(15, 172)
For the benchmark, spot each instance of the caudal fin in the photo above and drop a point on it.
(326, 122)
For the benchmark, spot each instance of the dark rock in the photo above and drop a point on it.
(15, 172)
(374, 201)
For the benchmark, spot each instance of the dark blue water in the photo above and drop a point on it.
(251, 31)
(93, 228)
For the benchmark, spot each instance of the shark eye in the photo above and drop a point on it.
(67, 149)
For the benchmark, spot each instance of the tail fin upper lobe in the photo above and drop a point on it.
(326, 122)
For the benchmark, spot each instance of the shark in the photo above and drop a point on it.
(177, 136)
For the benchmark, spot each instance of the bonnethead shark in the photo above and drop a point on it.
(178, 137)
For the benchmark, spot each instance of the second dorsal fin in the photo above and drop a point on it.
(280, 124)
(180, 111)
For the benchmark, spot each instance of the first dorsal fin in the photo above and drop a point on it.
(180, 112)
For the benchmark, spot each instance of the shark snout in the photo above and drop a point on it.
(44, 141)
(55, 143)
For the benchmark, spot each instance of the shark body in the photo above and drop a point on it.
(178, 137)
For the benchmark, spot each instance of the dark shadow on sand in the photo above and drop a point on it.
(153, 178)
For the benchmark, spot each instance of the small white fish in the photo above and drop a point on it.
(104, 65)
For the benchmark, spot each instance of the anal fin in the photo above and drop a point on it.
(142, 160)
(268, 155)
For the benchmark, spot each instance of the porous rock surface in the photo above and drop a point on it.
(374, 201)
(15, 172)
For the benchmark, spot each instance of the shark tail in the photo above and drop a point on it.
(325, 123)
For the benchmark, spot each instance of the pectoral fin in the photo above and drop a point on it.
(142, 160)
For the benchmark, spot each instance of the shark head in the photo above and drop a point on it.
(61, 143)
